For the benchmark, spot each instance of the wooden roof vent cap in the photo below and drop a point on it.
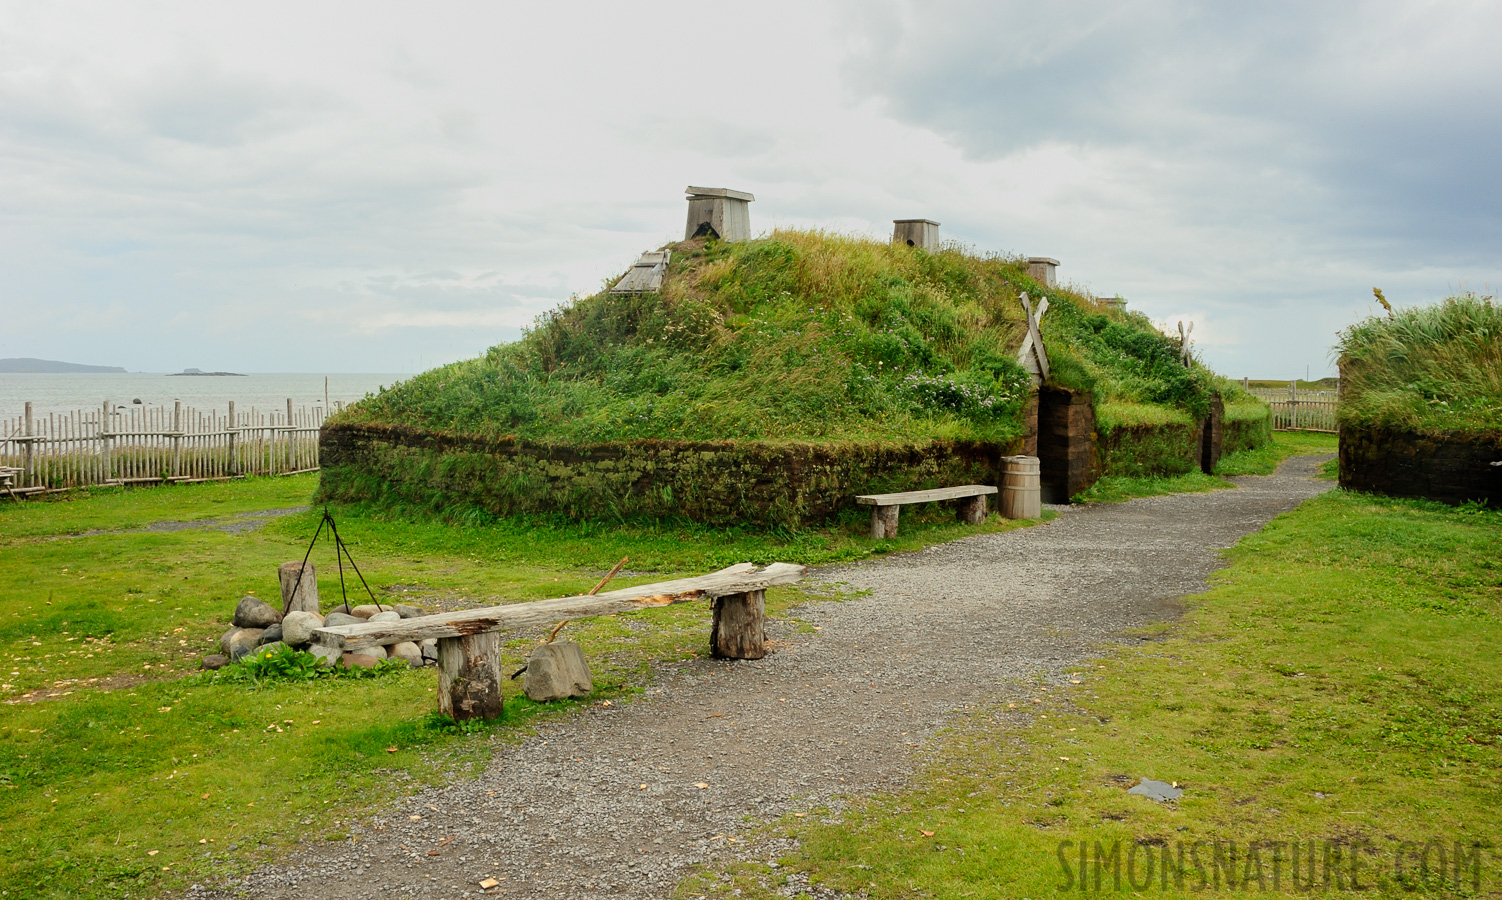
(718, 212)
(916, 233)
(1041, 269)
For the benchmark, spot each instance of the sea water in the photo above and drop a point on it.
(89, 391)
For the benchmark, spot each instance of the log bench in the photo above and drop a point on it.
(884, 507)
(469, 641)
(8, 476)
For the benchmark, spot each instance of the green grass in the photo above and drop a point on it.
(1265, 460)
(795, 337)
(1338, 688)
(113, 746)
(1258, 461)
(1118, 413)
(1434, 369)
(1118, 488)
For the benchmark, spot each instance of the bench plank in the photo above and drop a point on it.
(949, 493)
(737, 579)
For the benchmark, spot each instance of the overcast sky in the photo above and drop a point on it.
(345, 187)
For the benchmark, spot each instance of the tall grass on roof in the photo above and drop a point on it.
(802, 335)
(1433, 369)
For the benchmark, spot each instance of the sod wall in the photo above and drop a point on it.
(1401, 463)
(721, 483)
(1247, 427)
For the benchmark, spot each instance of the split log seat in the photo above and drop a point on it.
(884, 507)
(469, 641)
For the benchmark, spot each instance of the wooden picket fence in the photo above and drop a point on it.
(140, 445)
(1299, 410)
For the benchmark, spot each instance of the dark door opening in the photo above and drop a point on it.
(1053, 445)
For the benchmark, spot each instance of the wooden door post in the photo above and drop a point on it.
(469, 676)
(740, 625)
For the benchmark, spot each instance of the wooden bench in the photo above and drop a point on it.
(884, 507)
(8, 476)
(469, 642)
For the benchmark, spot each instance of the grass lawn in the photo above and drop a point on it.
(125, 772)
(1261, 461)
(1331, 708)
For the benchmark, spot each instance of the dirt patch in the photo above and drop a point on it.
(238, 523)
(625, 800)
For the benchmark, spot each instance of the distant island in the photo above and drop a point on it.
(202, 372)
(27, 366)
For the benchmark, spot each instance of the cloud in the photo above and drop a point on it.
(374, 187)
(1383, 119)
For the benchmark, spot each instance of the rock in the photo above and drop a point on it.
(409, 612)
(253, 613)
(268, 649)
(359, 660)
(389, 615)
(366, 610)
(273, 633)
(239, 641)
(339, 618)
(342, 608)
(429, 649)
(377, 652)
(298, 596)
(408, 651)
(215, 661)
(556, 671)
(1157, 790)
(297, 627)
(326, 656)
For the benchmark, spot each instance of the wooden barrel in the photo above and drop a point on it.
(1021, 496)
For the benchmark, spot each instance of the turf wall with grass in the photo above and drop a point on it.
(1170, 443)
(767, 380)
(1248, 425)
(718, 483)
(1420, 411)
(1448, 468)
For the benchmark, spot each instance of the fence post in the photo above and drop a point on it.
(291, 435)
(177, 437)
(30, 455)
(104, 438)
(1293, 405)
(233, 468)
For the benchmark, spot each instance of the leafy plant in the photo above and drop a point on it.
(286, 664)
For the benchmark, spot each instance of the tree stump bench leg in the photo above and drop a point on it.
(469, 676)
(740, 626)
(972, 510)
(884, 521)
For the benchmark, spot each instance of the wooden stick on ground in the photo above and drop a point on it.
(592, 591)
(608, 575)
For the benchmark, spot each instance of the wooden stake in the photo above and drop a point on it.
(604, 581)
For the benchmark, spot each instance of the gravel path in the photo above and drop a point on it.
(609, 803)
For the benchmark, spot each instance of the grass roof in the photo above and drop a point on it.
(797, 336)
(1432, 369)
